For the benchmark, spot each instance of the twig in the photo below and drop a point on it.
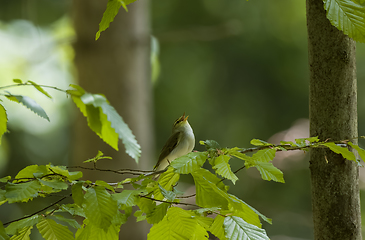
(45, 208)
(186, 204)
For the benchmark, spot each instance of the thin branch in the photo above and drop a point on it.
(180, 203)
(28, 84)
(125, 171)
(43, 209)
(189, 196)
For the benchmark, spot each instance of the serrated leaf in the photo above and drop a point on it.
(189, 162)
(239, 208)
(210, 144)
(236, 153)
(258, 142)
(40, 89)
(358, 149)
(3, 121)
(217, 227)
(146, 205)
(14, 227)
(208, 194)
(158, 213)
(92, 232)
(139, 215)
(104, 184)
(70, 221)
(2, 196)
(347, 16)
(340, 150)
(23, 234)
(51, 230)
(169, 195)
(29, 171)
(111, 11)
(54, 183)
(62, 170)
(167, 180)
(269, 172)
(104, 120)
(127, 197)
(265, 155)
(72, 209)
(177, 224)
(30, 104)
(237, 228)
(22, 192)
(99, 207)
(222, 167)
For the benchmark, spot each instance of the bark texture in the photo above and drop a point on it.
(118, 66)
(333, 115)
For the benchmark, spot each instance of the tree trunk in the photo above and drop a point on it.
(118, 66)
(333, 115)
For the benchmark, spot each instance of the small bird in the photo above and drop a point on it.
(181, 142)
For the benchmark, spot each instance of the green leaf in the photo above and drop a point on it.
(98, 157)
(347, 16)
(158, 213)
(236, 153)
(14, 227)
(99, 207)
(111, 11)
(146, 205)
(258, 142)
(104, 120)
(127, 197)
(77, 193)
(3, 235)
(269, 172)
(265, 155)
(54, 183)
(217, 227)
(210, 144)
(92, 232)
(177, 224)
(5, 179)
(139, 215)
(72, 209)
(104, 184)
(29, 171)
(2, 196)
(169, 195)
(208, 194)
(30, 104)
(22, 192)
(167, 180)
(51, 230)
(40, 89)
(340, 150)
(222, 167)
(358, 149)
(16, 80)
(237, 228)
(3, 121)
(23, 234)
(62, 170)
(70, 221)
(189, 162)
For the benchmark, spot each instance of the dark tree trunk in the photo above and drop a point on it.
(118, 66)
(333, 115)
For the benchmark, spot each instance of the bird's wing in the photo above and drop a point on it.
(169, 146)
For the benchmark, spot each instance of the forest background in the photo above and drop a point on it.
(238, 68)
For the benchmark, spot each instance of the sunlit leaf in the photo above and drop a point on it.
(5, 179)
(348, 16)
(23, 234)
(258, 142)
(127, 197)
(217, 227)
(40, 89)
(54, 183)
(222, 167)
(16, 80)
(30, 104)
(158, 213)
(51, 230)
(340, 150)
(236, 228)
(70, 221)
(77, 193)
(3, 235)
(269, 172)
(3, 121)
(189, 162)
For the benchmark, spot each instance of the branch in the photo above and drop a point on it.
(43, 209)
(180, 203)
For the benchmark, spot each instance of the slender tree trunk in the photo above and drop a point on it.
(118, 66)
(333, 115)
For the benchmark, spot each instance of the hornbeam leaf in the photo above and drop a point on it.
(340, 150)
(158, 213)
(127, 197)
(189, 162)
(14, 227)
(236, 228)
(258, 142)
(222, 167)
(70, 221)
(49, 229)
(22, 192)
(30, 104)
(217, 228)
(358, 149)
(99, 207)
(347, 16)
(23, 234)
(3, 121)
(40, 89)
(269, 172)
(265, 155)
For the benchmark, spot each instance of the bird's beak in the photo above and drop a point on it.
(185, 119)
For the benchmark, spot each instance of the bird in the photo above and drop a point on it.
(180, 143)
